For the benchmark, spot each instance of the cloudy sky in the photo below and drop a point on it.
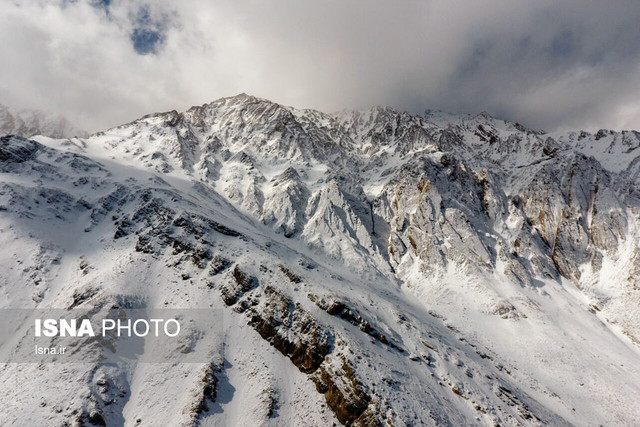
(547, 64)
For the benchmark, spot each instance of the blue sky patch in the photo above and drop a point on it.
(102, 3)
(147, 41)
(149, 31)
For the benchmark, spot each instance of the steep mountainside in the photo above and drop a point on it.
(28, 123)
(373, 267)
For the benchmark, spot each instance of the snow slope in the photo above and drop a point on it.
(372, 267)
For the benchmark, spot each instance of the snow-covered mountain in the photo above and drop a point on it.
(28, 123)
(373, 267)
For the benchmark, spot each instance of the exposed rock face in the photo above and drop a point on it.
(374, 267)
(345, 395)
(239, 283)
(291, 330)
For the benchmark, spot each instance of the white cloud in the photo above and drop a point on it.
(546, 64)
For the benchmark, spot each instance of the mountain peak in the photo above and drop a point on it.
(28, 123)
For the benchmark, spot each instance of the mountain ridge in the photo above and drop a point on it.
(27, 123)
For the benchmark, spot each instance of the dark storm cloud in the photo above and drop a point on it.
(546, 64)
(563, 67)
